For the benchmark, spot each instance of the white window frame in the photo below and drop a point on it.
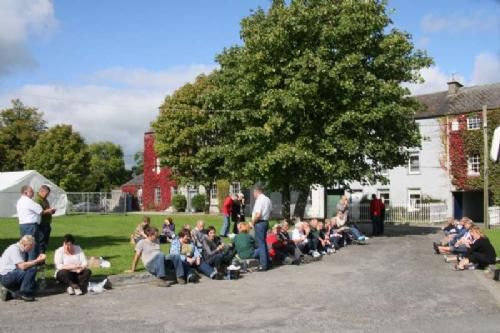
(474, 165)
(235, 188)
(474, 122)
(382, 193)
(157, 167)
(414, 204)
(410, 171)
(157, 195)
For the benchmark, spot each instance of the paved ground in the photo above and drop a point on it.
(394, 284)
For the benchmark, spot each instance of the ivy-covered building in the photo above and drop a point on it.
(449, 165)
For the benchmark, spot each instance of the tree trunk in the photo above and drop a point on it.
(285, 208)
(300, 205)
(208, 195)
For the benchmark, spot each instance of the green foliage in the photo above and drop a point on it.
(179, 202)
(317, 86)
(138, 168)
(187, 137)
(20, 128)
(198, 202)
(107, 167)
(62, 156)
(222, 191)
(473, 144)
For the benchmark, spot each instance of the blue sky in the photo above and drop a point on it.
(105, 66)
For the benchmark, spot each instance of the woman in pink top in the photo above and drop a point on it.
(71, 266)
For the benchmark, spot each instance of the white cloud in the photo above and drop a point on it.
(476, 22)
(102, 112)
(486, 69)
(434, 80)
(18, 20)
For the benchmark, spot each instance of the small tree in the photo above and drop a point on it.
(198, 202)
(179, 202)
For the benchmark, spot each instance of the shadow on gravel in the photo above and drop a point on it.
(402, 230)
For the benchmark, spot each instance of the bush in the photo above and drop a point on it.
(198, 202)
(179, 202)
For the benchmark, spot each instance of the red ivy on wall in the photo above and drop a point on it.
(153, 179)
(458, 160)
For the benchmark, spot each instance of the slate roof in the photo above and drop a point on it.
(467, 99)
(137, 180)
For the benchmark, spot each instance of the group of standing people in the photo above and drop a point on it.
(20, 261)
(233, 210)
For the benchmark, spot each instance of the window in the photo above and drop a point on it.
(235, 188)
(157, 195)
(473, 165)
(414, 199)
(213, 192)
(385, 197)
(414, 163)
(455, 126)
(157, 167)
(474, 122)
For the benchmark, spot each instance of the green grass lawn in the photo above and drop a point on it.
(106, 236)
(494, 237)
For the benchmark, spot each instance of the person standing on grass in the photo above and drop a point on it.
(29, 214)
(17, 275)
(71, 266)
(260, 219)
(44, 229)
(376, 215)
(227, 208)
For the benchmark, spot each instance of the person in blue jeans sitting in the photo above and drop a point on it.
(17, 276)
(157, 263)
(190, 254)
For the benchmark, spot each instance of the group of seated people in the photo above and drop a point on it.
(465, 243)
(18, 275)
(200, 250)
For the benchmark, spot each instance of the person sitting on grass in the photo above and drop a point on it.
(215, 253)
(278, 252)
(481, 253)
(17, 276)
(157, 263)
(190, 254)
(244, 244)
(71, 267)
(198, 234)
(459, 244)
(168, 230)
(139, 230)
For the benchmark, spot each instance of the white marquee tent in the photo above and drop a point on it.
(10, 191)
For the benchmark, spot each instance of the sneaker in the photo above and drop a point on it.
(70, 291)
(78, 292)
(5, 294)
(330, 251)
(316, 254)
(436, 247)
(213, 275)
(233, 267)
(27, 298)
(231, 236)
(181, 280)
(193, 278)
(361, 238)
(323, 253)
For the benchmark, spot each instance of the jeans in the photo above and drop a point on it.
(44, 236)
(355, 232)
(260, 240)
(31, 229)
(205, 269)
(157, 266)
(225, 227)
(73, 279)
(24, 281)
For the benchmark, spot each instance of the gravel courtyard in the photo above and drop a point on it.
(394, 284)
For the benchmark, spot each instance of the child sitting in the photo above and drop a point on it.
(168, 231)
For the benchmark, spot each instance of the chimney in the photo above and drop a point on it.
(454, 86)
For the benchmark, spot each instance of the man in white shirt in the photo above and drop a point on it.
(16, 273)
(260, 218)
(29, 214)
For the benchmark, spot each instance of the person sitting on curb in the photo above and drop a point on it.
(71, 266)
(244, 244)
(157, 263)
(459, 245)
(190, 254)
(278, 251)
(17, 276)
(139, 233)
(215, 253)
(300, 238)
(480, 253)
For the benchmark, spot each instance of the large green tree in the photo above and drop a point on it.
(106, 167)
(317, 94)
(138, 167)
(62, 156)
(188, 137)
(20, 127)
